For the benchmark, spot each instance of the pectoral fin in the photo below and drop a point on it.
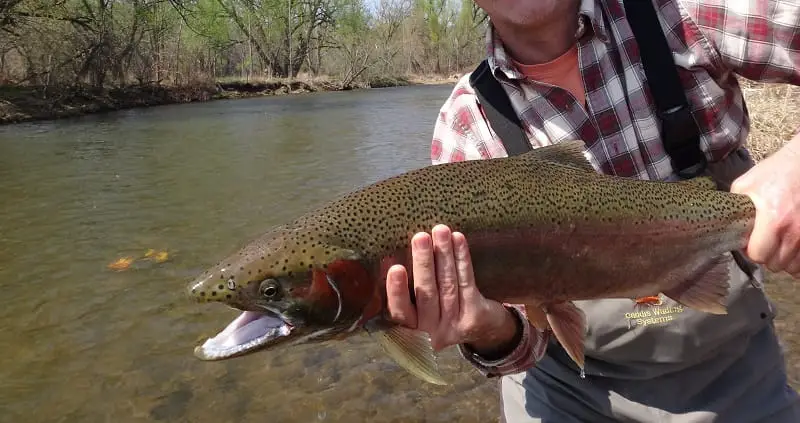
(569, 326)
(411, 349)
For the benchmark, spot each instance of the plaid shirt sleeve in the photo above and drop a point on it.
(759, 39)
(461, 133)
(531, 348)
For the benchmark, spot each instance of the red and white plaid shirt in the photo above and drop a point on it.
(712, 41)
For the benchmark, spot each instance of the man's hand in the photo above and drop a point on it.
(449, 306)
(774, 187)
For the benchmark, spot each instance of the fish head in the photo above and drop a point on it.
(291, 287)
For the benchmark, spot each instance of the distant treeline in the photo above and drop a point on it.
(107, 43)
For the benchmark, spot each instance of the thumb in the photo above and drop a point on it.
(741, 184)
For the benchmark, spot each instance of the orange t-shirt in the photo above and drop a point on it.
(562, 72)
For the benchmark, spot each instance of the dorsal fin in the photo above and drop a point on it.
(567, 153)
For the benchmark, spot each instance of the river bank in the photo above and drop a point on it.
(31, 103)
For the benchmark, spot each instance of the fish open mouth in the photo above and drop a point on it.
(250, 331)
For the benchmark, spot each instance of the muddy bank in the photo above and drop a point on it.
(235, 89)
(20, 104)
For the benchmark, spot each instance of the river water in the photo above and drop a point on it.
(83, 343)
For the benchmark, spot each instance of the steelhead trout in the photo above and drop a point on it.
(544, 230)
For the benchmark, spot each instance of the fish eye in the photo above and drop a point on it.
(270, 288)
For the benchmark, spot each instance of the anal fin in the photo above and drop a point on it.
(409, 348)
(569, 326)
(707, 290)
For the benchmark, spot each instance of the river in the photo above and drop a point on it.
(83, 343)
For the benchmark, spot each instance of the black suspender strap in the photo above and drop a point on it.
(680, 135)
(498, 109)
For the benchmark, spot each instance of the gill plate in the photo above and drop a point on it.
(335, 288)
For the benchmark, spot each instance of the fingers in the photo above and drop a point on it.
(762, 247)
(788, 257)
(444, 287)
(466, 278)
(741, 184)
(426, 289)
(398, 297)
(794, 269)
(446, 274)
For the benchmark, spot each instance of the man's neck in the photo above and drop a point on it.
(542, 43)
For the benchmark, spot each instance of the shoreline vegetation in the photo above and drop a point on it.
(31, 103)
(774, 108)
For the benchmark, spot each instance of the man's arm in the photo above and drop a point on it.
(757, 39)
(760, 40)
(774, 186)
(518, 355)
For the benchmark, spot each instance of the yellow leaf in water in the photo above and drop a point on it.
(161, 256)
(121, 264)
